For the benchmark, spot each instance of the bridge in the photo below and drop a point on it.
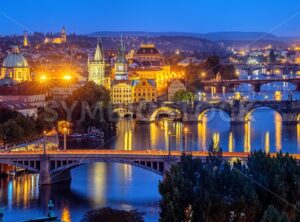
(235, 111)
(55, 166)
(256, 83)
(283, 68)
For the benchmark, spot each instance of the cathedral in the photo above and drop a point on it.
(16, 67)
(57, 40)
(96, 67)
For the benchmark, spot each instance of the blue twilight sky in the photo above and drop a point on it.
(281, 17)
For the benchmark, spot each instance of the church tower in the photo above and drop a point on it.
(25, 42)
(63, 35)
(96, 66)
(121, 66)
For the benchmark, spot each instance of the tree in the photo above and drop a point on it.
(91, 103)
(112, 215)
(272, 215)
(227, 72)
(183, 95)
(218, 191)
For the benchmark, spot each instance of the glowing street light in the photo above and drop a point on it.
(67, 77)
(43, 78)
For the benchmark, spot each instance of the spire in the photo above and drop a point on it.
(98, 53)
(121, 51)
(25, 43)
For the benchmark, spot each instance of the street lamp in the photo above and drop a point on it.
(185, 139)
(44, 142)
(65, 131)
(169, 144)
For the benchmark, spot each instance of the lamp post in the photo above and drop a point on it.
(65, 130)
(185, 139)
(169, 144)
(44, 142)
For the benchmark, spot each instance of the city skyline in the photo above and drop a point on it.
(153, 16)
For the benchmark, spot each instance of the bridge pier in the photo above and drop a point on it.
(289, 119)
(45, 175)
(256, 87)
(298, 86)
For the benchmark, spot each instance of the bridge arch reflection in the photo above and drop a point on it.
(168, 111)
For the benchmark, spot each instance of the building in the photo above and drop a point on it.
(148, 63)
(26, 93)
(58, 39)
(96, 67)
(16, 67)
(61, 91)
(175, 86)
(189, 60)
(121, 92)
(148, 55)
(121, 66)
(24, 108)
(144, 90)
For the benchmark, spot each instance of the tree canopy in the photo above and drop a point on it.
(16, 128)
(183, 95)
(218, 191)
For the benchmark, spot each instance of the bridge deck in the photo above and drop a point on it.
(81, 153)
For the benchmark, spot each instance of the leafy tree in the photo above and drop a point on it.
(272, 215)
(218, 191)
(91, 103)
(183, 95)
(227, 72)
(112, 215)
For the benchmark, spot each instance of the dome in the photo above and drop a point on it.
(15, 60)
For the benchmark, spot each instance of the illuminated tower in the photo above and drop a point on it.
(25, 43)
(63, 35)
(96, 67)
(121, 66)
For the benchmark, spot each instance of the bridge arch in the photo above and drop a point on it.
(156, 167)
(224, 114)
(283, 83)
(171, 112)
(251, 111)
(123, 112)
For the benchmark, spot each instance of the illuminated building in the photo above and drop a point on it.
(96, 67)
(121, 92)
(24, 98)
(175, 86)
(25, 42)
(121, 88)
(189, 60)
(57, 40)
(121, 66)
(148, 63)
(16, 67)
(144, 90)
(60, 91)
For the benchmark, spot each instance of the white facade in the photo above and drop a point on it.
(175, 86)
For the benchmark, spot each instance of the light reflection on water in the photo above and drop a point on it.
(127, 187)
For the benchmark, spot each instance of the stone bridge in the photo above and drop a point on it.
(283, 68)
(235, 111)
(255, 83)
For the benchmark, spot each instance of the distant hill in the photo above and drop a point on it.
(214, 36)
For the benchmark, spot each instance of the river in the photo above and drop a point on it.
(127, 187)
